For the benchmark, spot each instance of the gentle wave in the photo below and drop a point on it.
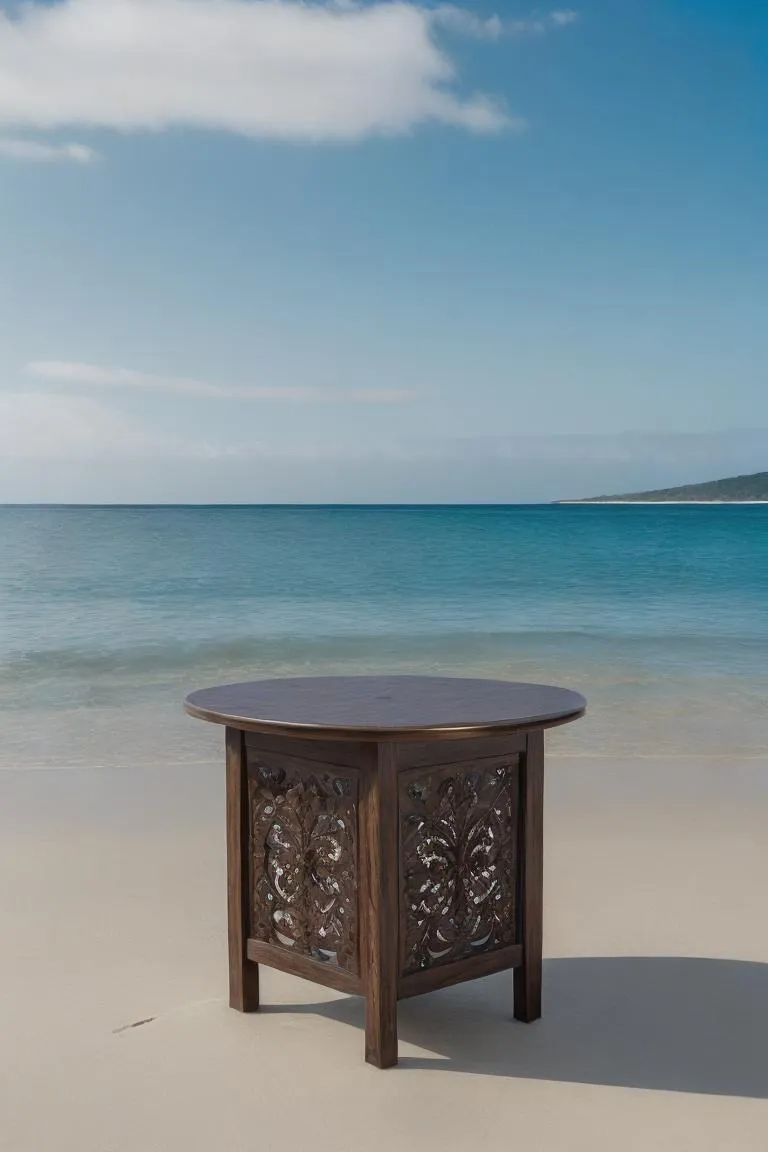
(108, 616)
(697, 651)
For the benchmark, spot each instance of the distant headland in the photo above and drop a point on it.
(733, 490)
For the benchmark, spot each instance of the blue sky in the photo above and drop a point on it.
(250, 251)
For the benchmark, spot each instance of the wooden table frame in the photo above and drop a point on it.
(460, 769)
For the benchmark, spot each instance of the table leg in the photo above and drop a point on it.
(243, 973)
(527, 978)
(379, 906)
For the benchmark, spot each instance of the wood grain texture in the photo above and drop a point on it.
(336, 765)
(470, 968)
(434, 754)
(341, 753)
(384, 708)
(243, 973)
(379, 906)
(531, 863)
(304, 966)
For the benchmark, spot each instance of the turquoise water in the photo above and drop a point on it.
(109, 615)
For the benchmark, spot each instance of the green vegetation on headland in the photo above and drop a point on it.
(731, 490)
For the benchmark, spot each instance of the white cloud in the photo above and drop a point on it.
(38, 426)
(538, 25)
(263, 68)
(563, 17)
(38, 152)
(96, 376)
(468, 23)
(493, 27)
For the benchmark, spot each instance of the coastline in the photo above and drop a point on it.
(660, 503)
(115, 1035)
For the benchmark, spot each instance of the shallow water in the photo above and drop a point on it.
(108, 616)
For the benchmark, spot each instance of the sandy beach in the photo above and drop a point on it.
(115, 1035)
(331, 335)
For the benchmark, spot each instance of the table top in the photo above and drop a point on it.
(385, 707)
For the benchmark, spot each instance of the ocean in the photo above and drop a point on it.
(110, 615)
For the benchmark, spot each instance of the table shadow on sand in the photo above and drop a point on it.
(669, 1023)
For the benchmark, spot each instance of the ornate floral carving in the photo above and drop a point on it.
(458, 833)
(304, 861)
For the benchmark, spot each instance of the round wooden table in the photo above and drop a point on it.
(384, 834)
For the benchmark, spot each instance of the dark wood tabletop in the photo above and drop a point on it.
(385, 707)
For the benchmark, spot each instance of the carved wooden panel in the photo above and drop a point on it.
(303, 852)
(458, 832)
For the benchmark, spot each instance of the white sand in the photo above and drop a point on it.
(112, 911)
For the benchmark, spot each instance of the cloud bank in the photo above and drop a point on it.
(263, 68)
(48, 457)
(38, 152)
(50, 441)
(35, 426)
(96, 376)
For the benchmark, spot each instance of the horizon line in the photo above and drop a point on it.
(593, 501)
